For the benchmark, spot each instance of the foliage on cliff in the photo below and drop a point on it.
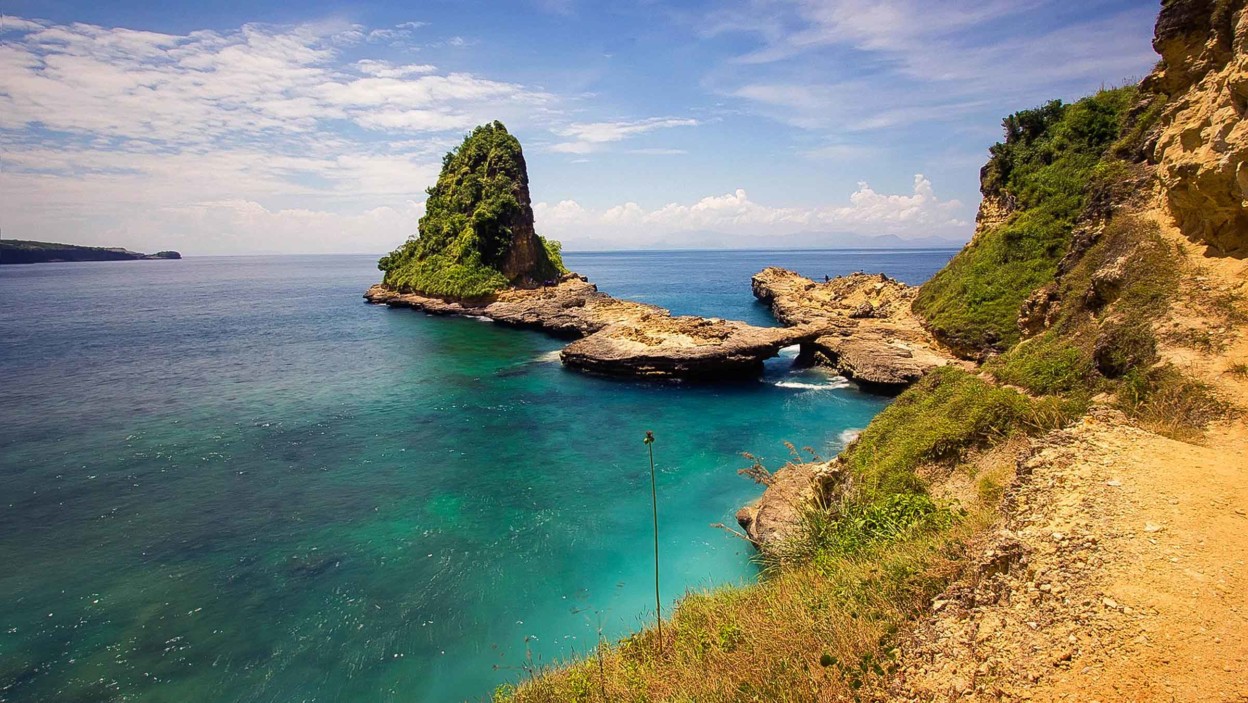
(1042, 172)
(477, 233)
(824, 622)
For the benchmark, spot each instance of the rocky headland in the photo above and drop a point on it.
(477, 254)
(19, 251)
(618, 337)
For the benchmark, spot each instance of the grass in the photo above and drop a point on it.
(1046, 166)
(822, 623)
(946, 414)
(1167, 401)
(1238, 370)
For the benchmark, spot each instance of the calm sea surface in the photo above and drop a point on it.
(230, 479)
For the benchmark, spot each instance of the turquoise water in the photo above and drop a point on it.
(229, 479)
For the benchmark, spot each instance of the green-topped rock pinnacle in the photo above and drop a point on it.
(477, 234)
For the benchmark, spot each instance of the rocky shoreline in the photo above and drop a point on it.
(620, 338)
(859, 325)
(867, 330)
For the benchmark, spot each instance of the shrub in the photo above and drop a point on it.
(1167, 401)
(1044, 168)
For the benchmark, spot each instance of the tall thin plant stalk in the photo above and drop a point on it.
(654, 507)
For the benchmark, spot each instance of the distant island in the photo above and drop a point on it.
(19, 251)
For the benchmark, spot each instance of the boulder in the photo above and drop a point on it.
(777, 516)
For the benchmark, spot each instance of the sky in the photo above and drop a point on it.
(269, 126)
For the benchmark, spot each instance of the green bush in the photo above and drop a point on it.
(1044, 168)
(939, 418)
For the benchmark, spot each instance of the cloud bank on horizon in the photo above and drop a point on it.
(641, 123)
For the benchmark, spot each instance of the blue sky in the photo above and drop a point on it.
(261, 126)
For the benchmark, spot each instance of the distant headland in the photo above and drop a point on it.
(20, 251)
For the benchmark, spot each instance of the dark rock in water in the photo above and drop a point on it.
(19, 251)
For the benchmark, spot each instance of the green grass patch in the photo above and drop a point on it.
(1046, 167)
(944, 415)
(1054, 363)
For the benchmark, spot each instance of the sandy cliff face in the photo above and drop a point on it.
(1201, 150)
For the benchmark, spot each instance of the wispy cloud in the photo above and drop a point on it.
(878, 64)
(586, 137)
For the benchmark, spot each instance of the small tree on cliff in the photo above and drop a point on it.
(477, 233)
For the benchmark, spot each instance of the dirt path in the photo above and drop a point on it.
(1121, 575)
(1120, 570)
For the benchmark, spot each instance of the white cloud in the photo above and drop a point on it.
(866, 211)
(385, 69)
(878, 64)
(586, 137)
(111, 132)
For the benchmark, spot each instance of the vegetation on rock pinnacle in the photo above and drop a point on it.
(477, 234)
(1041, 175)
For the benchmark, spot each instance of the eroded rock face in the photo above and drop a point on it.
(616, 337)
(1202, 147)
(868, 332)
(1039, 310)
(777, 516)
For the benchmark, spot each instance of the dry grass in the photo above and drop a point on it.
(1171, 403)
(817, 632)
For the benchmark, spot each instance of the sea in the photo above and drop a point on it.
(231, 479)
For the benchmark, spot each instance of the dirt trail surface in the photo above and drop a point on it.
(1120, 569)
(1121, 574)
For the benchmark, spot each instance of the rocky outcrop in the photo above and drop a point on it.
(476, 237)
(663, 346)
(772, 520)
(616, 337)
(1202, 138)
(866, 329)
(995, 210)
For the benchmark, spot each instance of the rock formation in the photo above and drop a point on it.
(777, 515)
(620, 338)
(1202, 137)
(866, 329)
(477, 235)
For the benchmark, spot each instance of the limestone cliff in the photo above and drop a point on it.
(477, 234)
(1201, 147)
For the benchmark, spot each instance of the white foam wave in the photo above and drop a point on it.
(790, 352)
(550, 357)
(479, 318)
(849, 435)
(830, 385)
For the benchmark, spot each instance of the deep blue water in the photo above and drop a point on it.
(229, 479)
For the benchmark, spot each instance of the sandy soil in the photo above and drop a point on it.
(1120, 569)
